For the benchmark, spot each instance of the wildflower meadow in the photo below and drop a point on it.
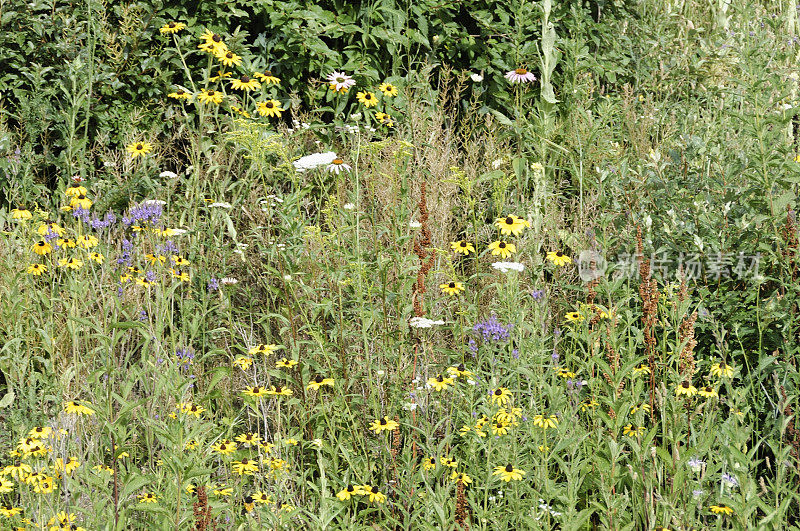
(491, 265)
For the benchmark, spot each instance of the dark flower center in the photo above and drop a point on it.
(267, 73)
(498, 392)
(244, 79)
(256, 389)
(460, 367)
(172, 24)
(318, 379)
(433, 460)
(245, 461)
(269, 105)
(375, 490)
(559, 254)
(509, 220)
(340, 80)
(278, 389)
(248, 499)
(685, 385)
(463, 243)
(229, 55)
(216, 38)
(509, 468)
(521, 71)
(708, 390)
(439, 378)
(451, 285)
(180, 93)
(350, 488)
(139, 147)
(383, 422)
(502, 245)
(211, 92)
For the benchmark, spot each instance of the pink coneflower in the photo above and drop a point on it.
(520, 75)
(340, 81)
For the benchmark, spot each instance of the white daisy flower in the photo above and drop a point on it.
(337, 166)
(505, 267)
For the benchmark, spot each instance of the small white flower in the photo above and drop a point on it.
(317, 443)
(380, 372)
(348, 206)
(355, 116)
(423, 322)
(505, 267)
(178, 232)
(287, 277)
(477, 78)
(497, 164)
(472, 382)
(229, 281)
(221, 204)
(309, 162)
(337, 166)
(166, 174)
(414, 224)
(109, 164)
(149, 202)
(409, 406)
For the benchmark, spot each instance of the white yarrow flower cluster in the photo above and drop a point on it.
(166, 174)
(315, 160)
(221, 204)
(148, 202)
(229, 281)
(505, 267)
(423, 322)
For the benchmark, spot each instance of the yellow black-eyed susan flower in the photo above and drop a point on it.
(212, 43)
(139, 149)
(45, 486)
(368, 99)
(501, 396)
(41, 248)
(450, 463)
(67, 465)
(36, 269)
(721, 509)
(262, 497)
(285, 363)
(147, 497)
(429, 463)
(221, 74)
(224, 447)
(87, 241)
(641, 369)
(81, 201)
(574, 317)
(79, 408)
(40, 432)
(97, 257)
(318, 381)
(500, 427)
(182, 276)
(462, 246)
(18, 470)
(245, 467)
(707, 392)
(179, 94)
(383, 424)
(440, 383)
(21, 214)
(191, 409)
(243, 362)
(249, 439)
(245, 83)
(375, 495)
(545, 421)
(6, 485)
(269, 108)
(347, 493)
(558, 258)
(508, 472)
(388, 89)
(502, 249)
(685, 389)
(228, 58)
(261, 348)
(74, 190)
(267, 78)
(172, 27)
(67, 243)
(632, 430)
(210, 96)
(9, 511)
(460, 477)
(721, 369)
(511, 224)
(459, 371)
(452, 288)
(46, 228)
(255, 391)
(279, 390)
